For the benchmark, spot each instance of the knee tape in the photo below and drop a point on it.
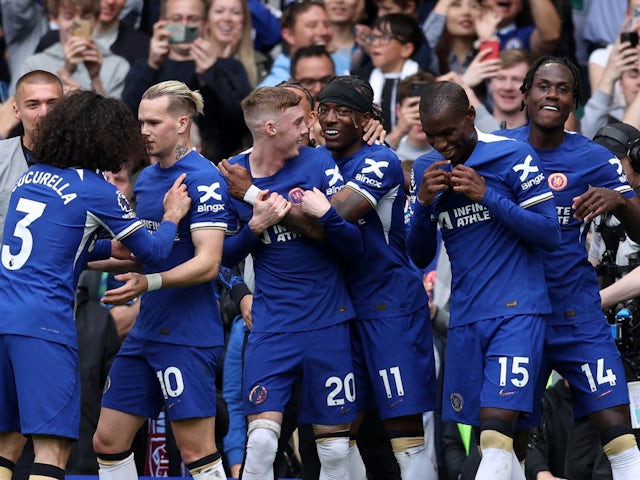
(262, 444)
(620, 444)
(400, 444)
(493, 439)
(333, 454)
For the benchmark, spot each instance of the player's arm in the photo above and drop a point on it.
(202, 267)
(421, 237)
(343, 237)
(625, 288)
(268, 210)
(534, 219)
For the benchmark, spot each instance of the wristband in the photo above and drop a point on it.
(154, 281)
(251, 194)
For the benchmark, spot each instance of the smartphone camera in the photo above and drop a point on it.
(182, 33)
(81, 28)
(631, 37)
(493, 46)
(417, 88)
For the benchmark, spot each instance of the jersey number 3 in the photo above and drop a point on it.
(33, 210)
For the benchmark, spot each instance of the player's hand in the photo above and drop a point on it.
(135, 284)
(434, 180)
(176, 201)
(268, 209)
(374, 131)
(119, 251)
(466, 180)
(315, 203)
(238, 178)
(596, 201)
(245, 305)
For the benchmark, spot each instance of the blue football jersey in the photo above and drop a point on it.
(52, 223)
(186, 315)
(495, 271)
(299, 282)
(572, 168)
(384, 282)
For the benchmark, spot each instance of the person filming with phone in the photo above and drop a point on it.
(76, 58)
(179, 51)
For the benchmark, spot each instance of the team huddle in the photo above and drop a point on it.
(339, 303)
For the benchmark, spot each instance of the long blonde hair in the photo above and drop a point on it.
(245, 52)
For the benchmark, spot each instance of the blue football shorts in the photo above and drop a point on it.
(394, 363)
(147, 375)
(321, 358)
(492, 363)
(586, 355)
(39, 387)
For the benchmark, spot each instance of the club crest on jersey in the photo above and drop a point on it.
(124, 204)
(258, 395)
(295, 195)
(557, 181)
(457, 402)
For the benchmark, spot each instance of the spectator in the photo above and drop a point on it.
(24, 22)
(344, 15)
(84, 132)
(223, 82)
(504, 87)
(303, 23)
(229, 31)
(168, 358)
(392, 42)
(78, 60)
(110, 33)
(622, 71)
(578, 343)
(312, 67)
(539, 38)
(36, 93)
(407, 138)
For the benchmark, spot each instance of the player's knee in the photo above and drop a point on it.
(262, 444)
(333, 452)
(496, 434)
(617, 439)
(406, 441)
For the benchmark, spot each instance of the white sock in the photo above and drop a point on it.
(517, 472)
(121, 470)
(626, 465)
(214, 472)
(414, 463)
(334, 458)
(357, 470)
(496, 464)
